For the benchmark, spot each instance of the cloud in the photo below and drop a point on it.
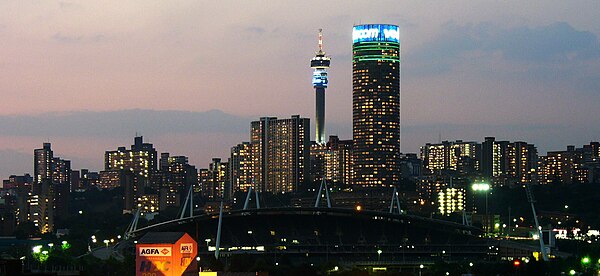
(66, 38)
(543, 46)
(255, 30)
(15, 162)
(552, 43)
(69, 5)
(122, 123)
(59, 37)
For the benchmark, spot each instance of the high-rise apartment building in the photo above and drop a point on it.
(214, 181)
(240, 167)
(451, 155)
(339, 164)
(132, 169)
(565, 167)
(51, 188)
(376, 104)
(42, 165)
(521, 163)
(280, 153)
(174, 178)
(332, 161)
(141, 159)
(508, 163)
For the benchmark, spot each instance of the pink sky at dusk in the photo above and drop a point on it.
(477, 64)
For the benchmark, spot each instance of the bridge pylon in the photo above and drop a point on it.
(320, 194)
(132, 226)
(188, 205)
(395, 200)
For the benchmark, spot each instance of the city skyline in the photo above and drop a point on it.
(542, 97)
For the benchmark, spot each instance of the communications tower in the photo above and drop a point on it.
(320, 64)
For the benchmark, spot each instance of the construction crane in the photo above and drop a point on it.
(531, 201)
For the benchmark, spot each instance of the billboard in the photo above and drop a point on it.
(165, 254)
(376, 32)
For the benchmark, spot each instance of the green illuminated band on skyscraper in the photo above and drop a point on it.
(376, 104)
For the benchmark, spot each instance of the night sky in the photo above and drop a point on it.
(191, 75)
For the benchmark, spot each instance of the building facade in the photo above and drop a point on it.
(240, 167)
(459, 156)
(280, 153)
(50, 189)
(133, 169)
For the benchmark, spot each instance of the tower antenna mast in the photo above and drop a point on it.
(320, 40)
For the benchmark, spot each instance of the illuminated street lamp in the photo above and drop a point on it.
(379, 254)
(483, 187)
(585, 260)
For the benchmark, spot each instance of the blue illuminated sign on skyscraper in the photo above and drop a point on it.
(375, 32)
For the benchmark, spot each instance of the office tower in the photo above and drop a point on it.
(376, 104)
(320, 64)
(240, 167)
(280, 153)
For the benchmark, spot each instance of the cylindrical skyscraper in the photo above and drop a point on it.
(319, 80)
(376, 104)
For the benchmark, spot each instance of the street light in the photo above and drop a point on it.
(483, 187)
(379, 254)
(37, 249)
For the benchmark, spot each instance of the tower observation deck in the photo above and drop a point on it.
(320, 64)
